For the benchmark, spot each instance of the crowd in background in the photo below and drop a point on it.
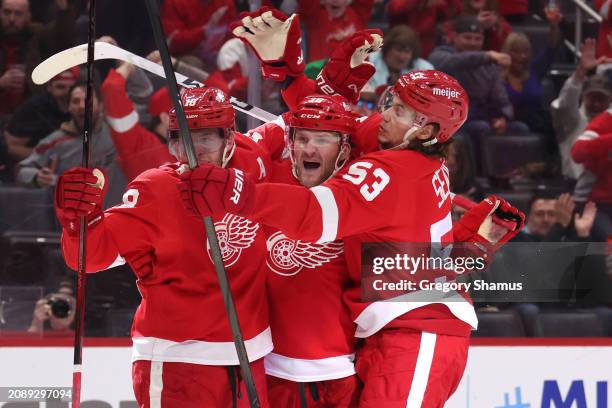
(539, 130)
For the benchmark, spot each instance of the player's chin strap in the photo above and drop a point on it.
(228, 151)
(339, 163)
(420, 120)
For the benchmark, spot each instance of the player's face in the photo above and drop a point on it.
(315, 153)
(14, 15)
(398, 118)
(209, 144)
(541, 217)
(76, 106)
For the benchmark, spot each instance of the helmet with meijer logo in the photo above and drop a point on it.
(437, 98)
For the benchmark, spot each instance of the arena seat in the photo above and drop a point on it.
(568, 324)
(506, 323)
(503, 154)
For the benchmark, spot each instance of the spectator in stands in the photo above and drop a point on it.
(523, 79)
(552, 219)
(62, 149)
(54, 313)
(24, 44)
(593, 149)
(479, 73)
(233, 68)
(138, 149)
(423, 16)
(197, 27)
(495, 27)
(329, 22)
(579, 101)
(604, 40)
(40, 115)
(400, 55)
(560, 275)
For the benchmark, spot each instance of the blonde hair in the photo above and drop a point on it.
(513, 39)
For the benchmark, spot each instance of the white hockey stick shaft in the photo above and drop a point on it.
(75, 56)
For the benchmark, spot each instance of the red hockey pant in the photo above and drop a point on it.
(340, 393)
(184, 385)
(408, 369)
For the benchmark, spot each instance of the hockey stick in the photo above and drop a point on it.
(75, 56)
(160, 39)
(79, 329)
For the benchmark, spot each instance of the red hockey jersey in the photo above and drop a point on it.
(312, 329)
(137, 148)
(181, 317)
(386, 196)
(593, 149)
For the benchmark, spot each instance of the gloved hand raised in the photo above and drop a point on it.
(275, 39)
(79, 192)
(210, 190)
(347, 71)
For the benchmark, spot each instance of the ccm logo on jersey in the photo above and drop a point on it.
(310, 116)
(446, 92)
(238, 183)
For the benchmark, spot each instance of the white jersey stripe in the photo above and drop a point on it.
(588, 135)
(329, 209)
(156, 384)
(421, 370)
(122, 125)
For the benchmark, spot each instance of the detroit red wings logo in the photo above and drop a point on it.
(288, 257)
(234, 234)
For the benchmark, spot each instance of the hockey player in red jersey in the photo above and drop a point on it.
(312, 363)
(415, 348)
(183, 354)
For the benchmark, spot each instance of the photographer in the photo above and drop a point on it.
(54, 312)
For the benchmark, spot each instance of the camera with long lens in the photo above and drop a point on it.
(60, 308)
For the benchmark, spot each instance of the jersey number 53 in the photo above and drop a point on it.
(357, 174)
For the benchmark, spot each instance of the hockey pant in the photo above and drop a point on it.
(183, 385)
(401, 368)
(340, 393)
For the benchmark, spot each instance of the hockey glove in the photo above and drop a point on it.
(211, 190)
(347, 71)
(275, 38)
(476, 225)
(79, 192)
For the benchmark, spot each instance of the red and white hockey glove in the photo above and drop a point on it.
(275, 38)
(477, 225)
(347, 71)
(211, 190)
(79, 192)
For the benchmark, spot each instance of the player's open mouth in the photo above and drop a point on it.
(310, 165)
